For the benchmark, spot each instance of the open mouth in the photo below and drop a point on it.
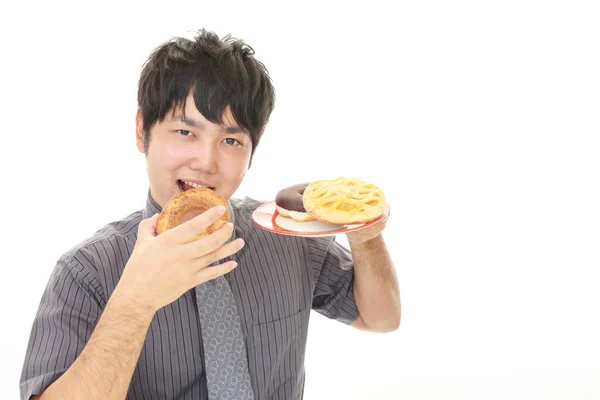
(185, 185)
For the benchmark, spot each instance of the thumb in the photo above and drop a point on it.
(147, 227)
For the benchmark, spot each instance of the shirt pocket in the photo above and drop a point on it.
(276, 356)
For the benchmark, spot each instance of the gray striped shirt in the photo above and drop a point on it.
(278, 281)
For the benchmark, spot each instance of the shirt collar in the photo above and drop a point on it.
(151, 207)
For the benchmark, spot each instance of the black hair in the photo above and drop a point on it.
(219, 73)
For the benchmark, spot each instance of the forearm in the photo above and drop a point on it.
(105, 366)
(376, 289)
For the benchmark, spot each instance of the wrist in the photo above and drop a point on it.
(138, 306)
(366, 244)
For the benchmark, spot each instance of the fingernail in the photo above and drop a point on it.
(241, 242)
(221, 210)
(235, 264)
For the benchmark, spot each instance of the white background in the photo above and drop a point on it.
(480, 120)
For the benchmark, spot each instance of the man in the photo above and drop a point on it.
(129, 314)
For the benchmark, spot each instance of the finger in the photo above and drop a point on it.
(147, 227)
(184, 232)
(222, 252)
(210, 243)
(206, 274)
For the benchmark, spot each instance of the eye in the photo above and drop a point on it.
(184, 132)
(233, 142)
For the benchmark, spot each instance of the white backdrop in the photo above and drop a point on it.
(478, 119)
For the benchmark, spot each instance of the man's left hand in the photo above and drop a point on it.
(362, 236)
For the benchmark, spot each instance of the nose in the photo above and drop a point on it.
(205, 159)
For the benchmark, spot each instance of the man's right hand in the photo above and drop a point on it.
(162, 268)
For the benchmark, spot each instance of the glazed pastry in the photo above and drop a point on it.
(344, 201)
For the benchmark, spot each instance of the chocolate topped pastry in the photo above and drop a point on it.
(289, 203)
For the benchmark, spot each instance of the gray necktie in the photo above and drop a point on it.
(225, 356)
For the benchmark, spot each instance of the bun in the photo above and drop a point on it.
(196, 199)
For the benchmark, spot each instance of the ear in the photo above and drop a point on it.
(139, 132)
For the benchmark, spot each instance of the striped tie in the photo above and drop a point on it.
(225, 356)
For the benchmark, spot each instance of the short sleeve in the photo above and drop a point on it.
(68, 312)
(333, 266)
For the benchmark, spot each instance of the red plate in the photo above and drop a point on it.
(267, 217)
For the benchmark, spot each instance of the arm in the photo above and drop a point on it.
(104, 368)
(376, 289)
(160, 269)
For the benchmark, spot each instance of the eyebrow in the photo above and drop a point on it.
(194, 123)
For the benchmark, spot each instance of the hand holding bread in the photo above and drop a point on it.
(163, 267)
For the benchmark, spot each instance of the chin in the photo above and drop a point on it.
(226, 197)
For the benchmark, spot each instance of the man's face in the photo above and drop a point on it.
(194, 150)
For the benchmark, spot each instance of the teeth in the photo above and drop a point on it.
(195, 185)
